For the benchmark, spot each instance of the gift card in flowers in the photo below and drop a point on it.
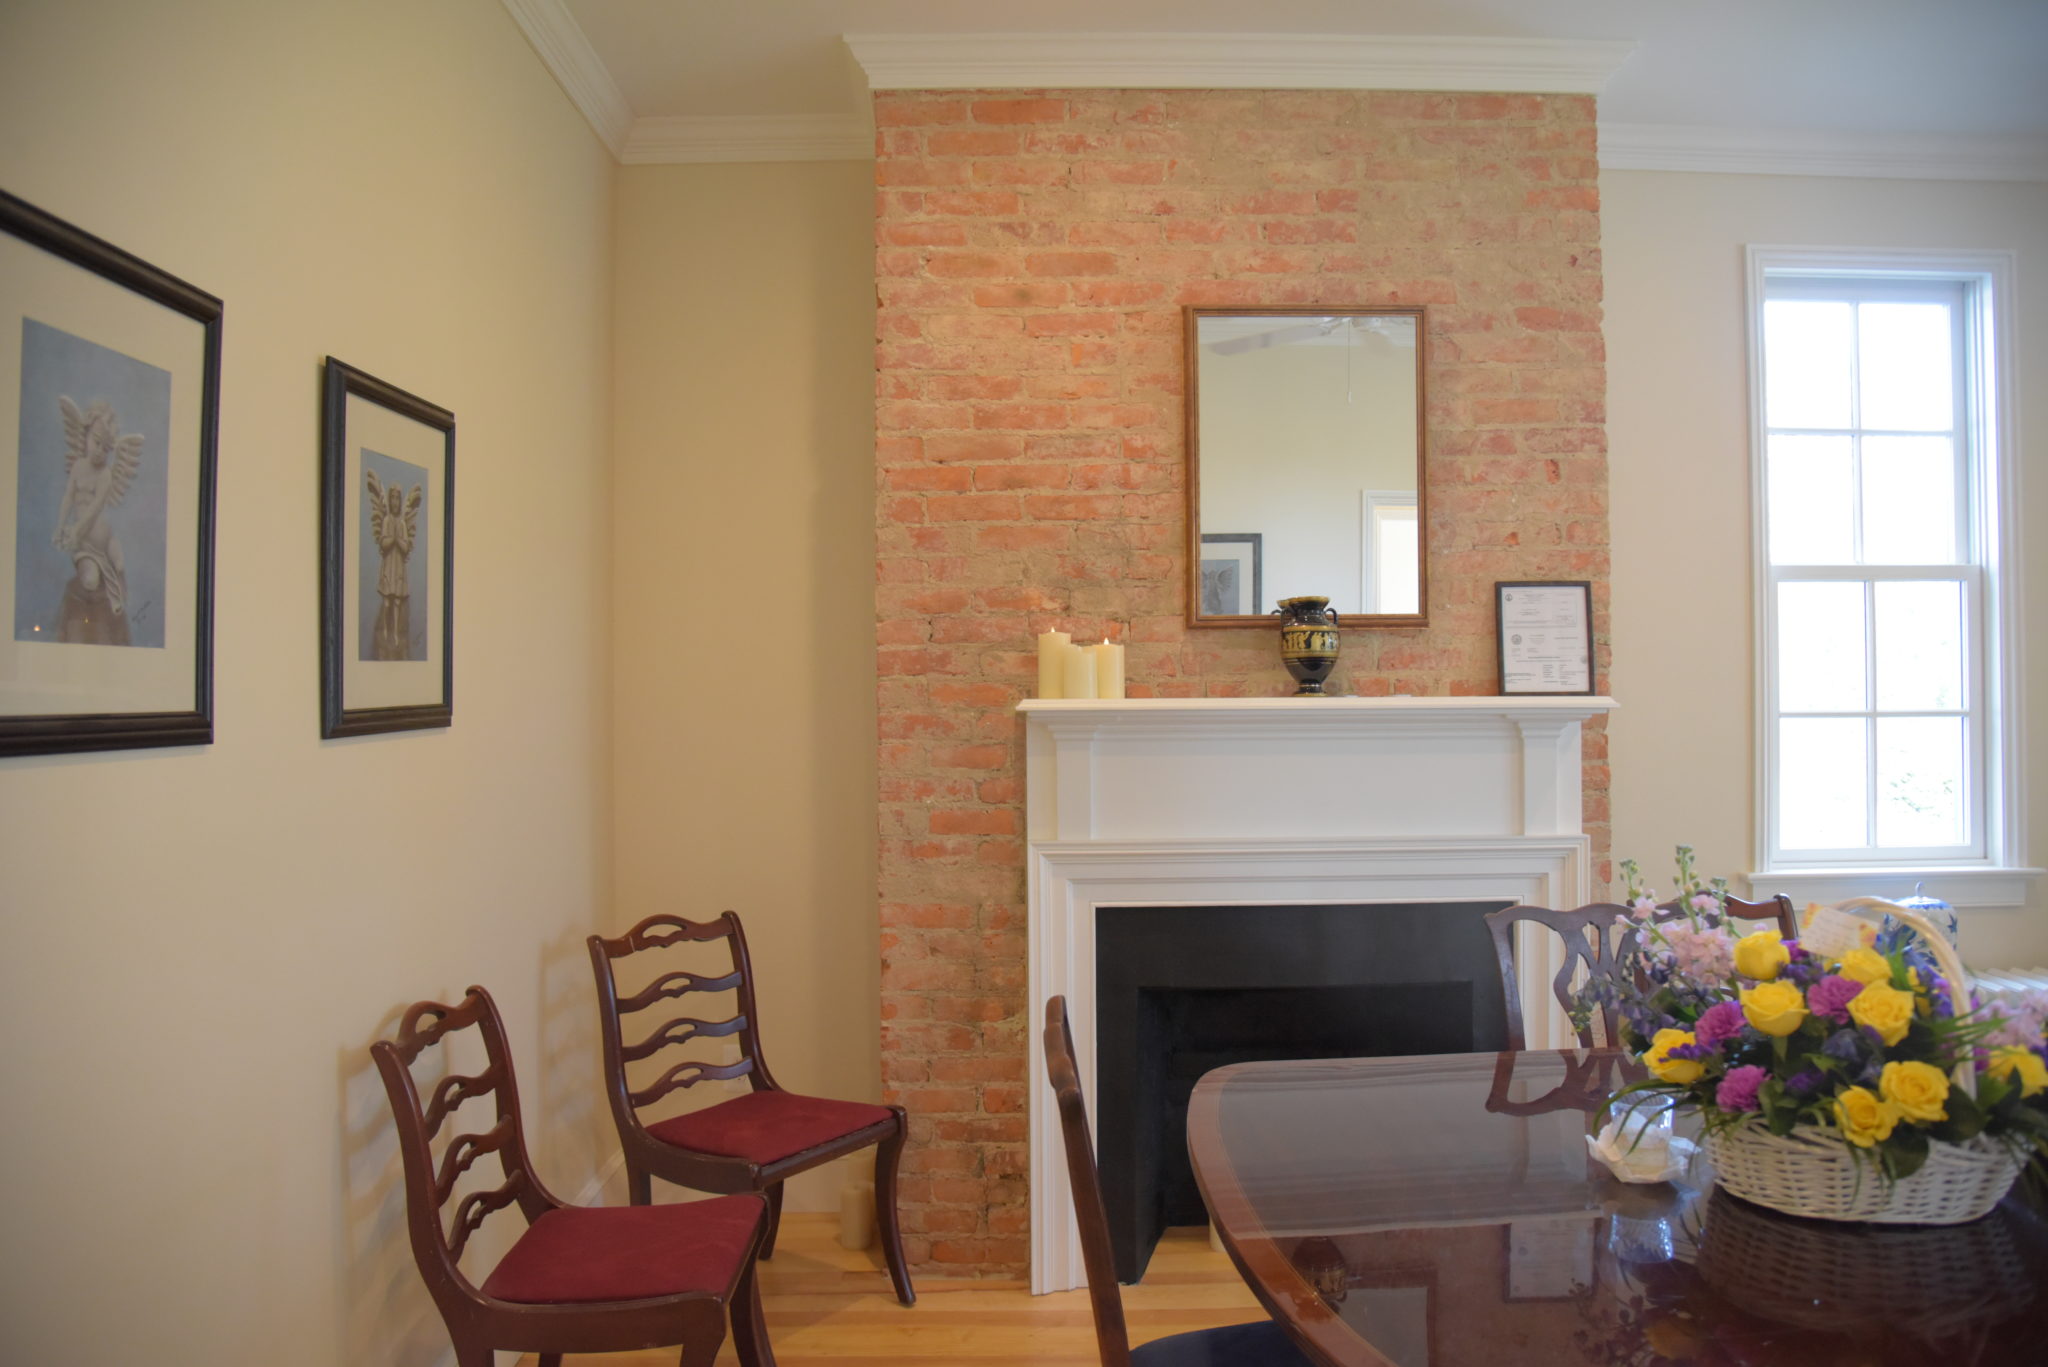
(1830, 932)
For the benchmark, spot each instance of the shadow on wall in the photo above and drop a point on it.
(387, 1314)
(567, 1088)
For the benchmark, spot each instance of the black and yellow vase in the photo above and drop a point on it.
(1308, 642)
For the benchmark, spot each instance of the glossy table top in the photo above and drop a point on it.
(1444, 1212)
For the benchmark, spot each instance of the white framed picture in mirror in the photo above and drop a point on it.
(1306, 437)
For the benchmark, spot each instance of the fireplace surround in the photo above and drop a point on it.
(1280, 802)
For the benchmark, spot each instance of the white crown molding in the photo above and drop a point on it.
(765, 137)
(1781, 152)
(583, 76)
(1233, 61)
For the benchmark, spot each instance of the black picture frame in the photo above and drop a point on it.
(365, 688)
(1246, 551)
(129, 629)
(1577, 628)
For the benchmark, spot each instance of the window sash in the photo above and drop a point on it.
(1975, 538)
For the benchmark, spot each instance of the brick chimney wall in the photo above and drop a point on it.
(1033, 251)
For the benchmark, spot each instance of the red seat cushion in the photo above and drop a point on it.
(625, 1253)
(766, 1127)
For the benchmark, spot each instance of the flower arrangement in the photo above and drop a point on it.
(1756, 1030)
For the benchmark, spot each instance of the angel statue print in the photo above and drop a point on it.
(393, 535)
(94, 426)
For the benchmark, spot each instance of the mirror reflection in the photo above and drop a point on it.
(1305, 441)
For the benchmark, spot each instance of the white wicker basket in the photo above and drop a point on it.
(1814, 1172)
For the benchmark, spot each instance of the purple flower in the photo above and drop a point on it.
(1722, 1021)
(1737, 1091)
(1846, 1045)
(1806, 1081)
(1830, 997)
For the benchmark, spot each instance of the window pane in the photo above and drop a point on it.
(1909, 501)
(1821, 783)
(1396, 562)
(1820, 647)
(1919, 645)
(1812, 501)
(1907, 369)
(1807, 349)
(1919, 781)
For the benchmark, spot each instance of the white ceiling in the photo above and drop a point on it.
(1930, 73)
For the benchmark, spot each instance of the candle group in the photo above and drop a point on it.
(1066, 670)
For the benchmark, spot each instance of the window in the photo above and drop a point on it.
(1881, 613)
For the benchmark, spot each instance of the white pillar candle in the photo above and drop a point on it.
(1109, 669)
(856, 1215)
(1078, 676)
(1052, 663)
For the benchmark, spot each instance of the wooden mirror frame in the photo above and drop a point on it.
(1191, 314)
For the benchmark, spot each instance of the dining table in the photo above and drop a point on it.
(1446, 1211)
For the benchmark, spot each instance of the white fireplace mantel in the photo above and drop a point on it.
(1280, 801)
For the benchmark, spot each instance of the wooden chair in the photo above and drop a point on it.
(579, 1279)
(1261, 1343)
(1600, 940)
(752, 1142)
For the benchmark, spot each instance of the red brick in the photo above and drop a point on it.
(1020, 111)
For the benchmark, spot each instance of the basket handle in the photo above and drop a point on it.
(1945, 956)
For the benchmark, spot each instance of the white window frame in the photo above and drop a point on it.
(1371, 504)
(1994, 872)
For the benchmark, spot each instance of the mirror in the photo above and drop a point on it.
(1305, 436)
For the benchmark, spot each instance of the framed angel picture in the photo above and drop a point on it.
(387, 557)
(109, 406)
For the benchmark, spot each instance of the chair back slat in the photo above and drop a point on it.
(462, 1153)
(477, 1207)
(675, 985)
(1112, 1339)
(429, 1184)
(689, 1074)
(657, 932)
(680, 1031)
(451, 1091)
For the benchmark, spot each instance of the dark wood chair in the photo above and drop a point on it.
(579, 1279)
(752, 1142)
(1599, 942)
(1261, 1343)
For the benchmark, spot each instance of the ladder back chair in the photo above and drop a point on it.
(1261, 1343)
(1599, 942)
(578, 1279)
(752, 1142)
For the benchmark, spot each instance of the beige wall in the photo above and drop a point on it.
(1678, 423)
(197, 945)
(743, 584)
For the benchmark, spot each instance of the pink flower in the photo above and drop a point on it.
(1704, 903)
(1721, 1021)
(1830, 997)
(2021, 1018)
(1700, 955)
(1737, 1091)
(1643, 908)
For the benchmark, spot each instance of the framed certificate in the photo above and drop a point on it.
(1546, 636)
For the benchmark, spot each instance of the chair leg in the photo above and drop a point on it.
(550, 1360)
(887, 1154)
(474, 1355)
(749, 1329)
(774, 1195)
(639, 1186)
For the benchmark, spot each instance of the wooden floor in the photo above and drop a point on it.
(826, 1305)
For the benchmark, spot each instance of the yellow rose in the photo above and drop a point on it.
(1864, 1120)
(2013, 1060)
(1865, 966)
(1761, 955)
(1919, 1090)
(1774, 1008)
(1884, 1009)
(1659, 1061)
